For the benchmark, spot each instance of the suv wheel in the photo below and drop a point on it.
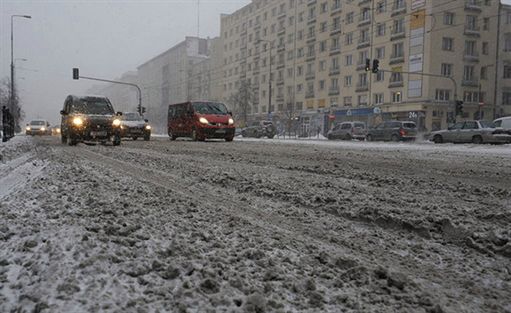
(369, 138)
(135, 138)
(116, 140)
(63, 138)
(438, 139)
(71, 139)
(147, 137)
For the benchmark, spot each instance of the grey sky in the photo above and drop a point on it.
(103, 38)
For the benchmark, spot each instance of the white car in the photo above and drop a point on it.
(477, 132)
(38, 127)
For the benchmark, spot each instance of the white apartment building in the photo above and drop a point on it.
(430, 52)
(503, 81)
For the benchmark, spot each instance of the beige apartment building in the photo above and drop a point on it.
(430, 53)
(503, 84)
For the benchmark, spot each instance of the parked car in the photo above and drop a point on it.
(133, 125)
(393, 131)
(200, 120)
(55, 131)
(504, 124)
(260, 129)
(477, 132)
(348, 131)
(38, 127)
(89, 118)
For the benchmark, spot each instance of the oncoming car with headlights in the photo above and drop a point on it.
(38, 127)
(90, 118)
(133, 125)
(200, 120)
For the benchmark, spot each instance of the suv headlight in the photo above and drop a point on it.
(28, 128)
(148, 127)
(231, 121)
(43, 129)
(78, 121)
(116, 122)
(202, 120)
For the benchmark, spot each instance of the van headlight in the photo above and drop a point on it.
(202, 120)
(28, 128)
(78, 121)
(116, 122)
(148, 127)
(231, 121)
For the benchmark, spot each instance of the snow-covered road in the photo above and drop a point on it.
(254, 226)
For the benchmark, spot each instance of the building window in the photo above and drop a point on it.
(442, 95)
(506, 98)
(380, 53)
(380, 29)
(349, 18)
(485, 48)
(507, 42)
(347, 81)
(378, 98)
(468, 72)
(349, 59)
(484, 72)
(396, 97)
(446, 69)
(362, 100)
(380, 76)
(447, 44)
(347, 101)
(397, 50)
(507, 71)
(448, 18)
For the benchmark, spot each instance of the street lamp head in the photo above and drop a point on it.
(27, 16)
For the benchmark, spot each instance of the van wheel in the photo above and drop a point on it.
(477, 140)
(171, 135)
(438, 139)
(229, 139)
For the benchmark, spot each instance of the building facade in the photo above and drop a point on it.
(503, 79)
(430, 52)
(168, 78)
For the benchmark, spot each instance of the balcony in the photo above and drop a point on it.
(309, 94)
(280, 98)
(335, 50)
(364, 20)
(281, 31)
(396, 10)
(280, 81)
(361, 66)
(311, 2)
(335, 8)
(472, 82)
(363, 43)
(471, 56)
(334, 71)
(394, 59)
(362, 2)
(396, 83)
(310, 57)
(362, 87)
(334, 91)
(399, 33)
(281, 48)
(472, 31)
(473, 5)
(310, 76)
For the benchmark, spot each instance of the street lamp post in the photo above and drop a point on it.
(269, 78)
(11, 104)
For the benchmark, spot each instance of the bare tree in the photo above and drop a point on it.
(15, 107)
(242, 101)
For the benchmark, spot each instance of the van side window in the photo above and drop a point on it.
(172, 111)
(498, 123)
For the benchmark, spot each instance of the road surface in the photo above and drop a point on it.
(254, 226)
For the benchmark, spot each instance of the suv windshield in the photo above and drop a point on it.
(132, 117)
(37, 123)
(409, 125)
(92, 106)
(210, 108)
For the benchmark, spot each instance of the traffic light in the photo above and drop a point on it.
(76, 73)
(459, 107)
(143, 110)
(376, 65)
(368, 65)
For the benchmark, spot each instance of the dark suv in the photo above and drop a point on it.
(89, 118)
(393, 131)
(260, 129)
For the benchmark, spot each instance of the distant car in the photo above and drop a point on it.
(393, 131)
(477, 132)
(348, 131)
(260, 129)
(55, 131)
(89, 118)
(38, 127)
(133, 125)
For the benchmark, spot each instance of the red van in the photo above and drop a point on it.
(200, 120)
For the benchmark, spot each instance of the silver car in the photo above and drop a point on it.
(348, 131)
(477, 132)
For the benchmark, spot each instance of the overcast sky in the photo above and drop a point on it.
(103, 38)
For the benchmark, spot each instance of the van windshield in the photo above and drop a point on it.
(210, 108)
(92, 106)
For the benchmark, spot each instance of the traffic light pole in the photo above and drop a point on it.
(121, 83)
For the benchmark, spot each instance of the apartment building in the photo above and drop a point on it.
(430, 53)
(206, 76)
(167, 78)
(124, 98)
(503, 90)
